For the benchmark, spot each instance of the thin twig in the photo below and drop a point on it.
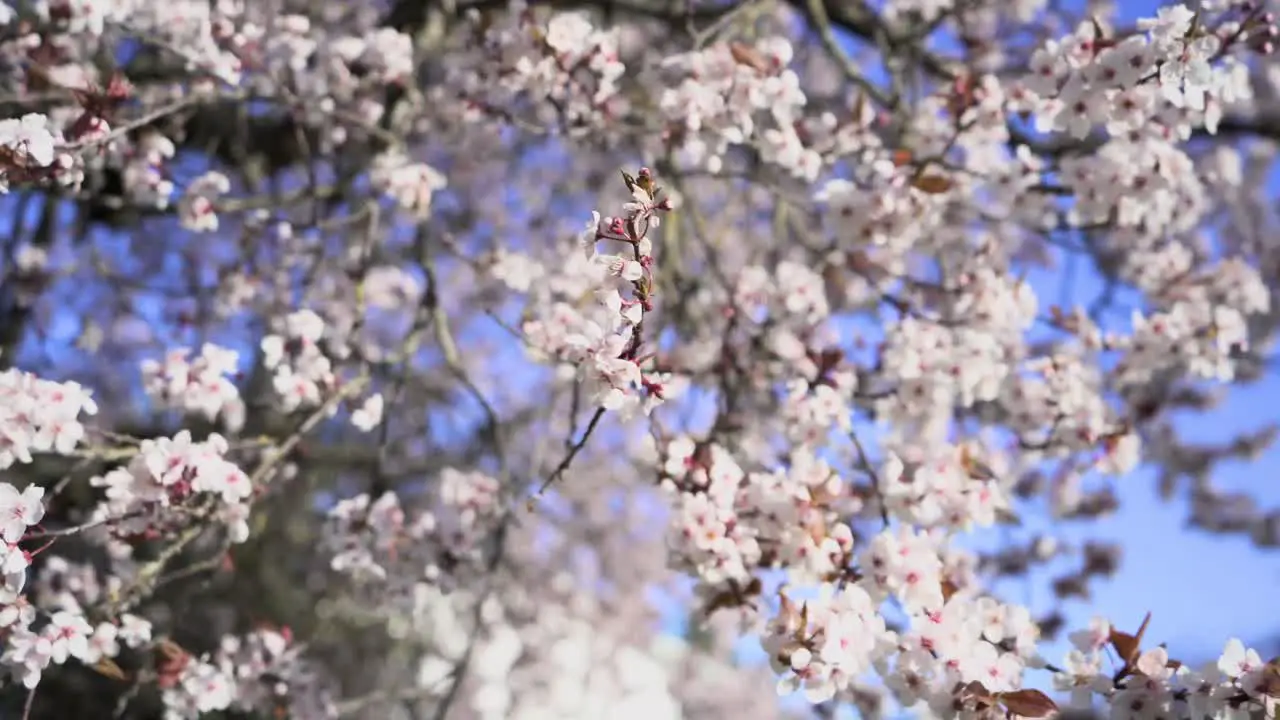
(568, 458)
(26, 708)
(704, 36)
(145, 119)
(822, 23)
(875, 478)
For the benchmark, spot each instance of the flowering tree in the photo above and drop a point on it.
(346, 376)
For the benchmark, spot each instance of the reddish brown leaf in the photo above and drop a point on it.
(1142, 629)
(108, 667)
(749, 56)
(785, 605)
(169, 649)
(1008, 518)
(1270, 684)
(949, 589)
(1028, 702)
(1129, 647)
(932, 184)
(975, 690)
(1126, 646)
(975, 466)
(861, 263)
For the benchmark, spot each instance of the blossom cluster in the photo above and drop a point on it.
(1166, 73)
(303, 374)
(199, 384)
(55, 627)
(737, 95)
(370, 538)
(602, 343)
(225, 45)
(197, 208)
(260, 671)
(565, 67)
(39, 415)
(1151, 683)
(947, 486)
(727, 523)
(21, 511)
(30, 149)
(1202, 326)
(65, 635)
(411, 184)
(172, 481)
